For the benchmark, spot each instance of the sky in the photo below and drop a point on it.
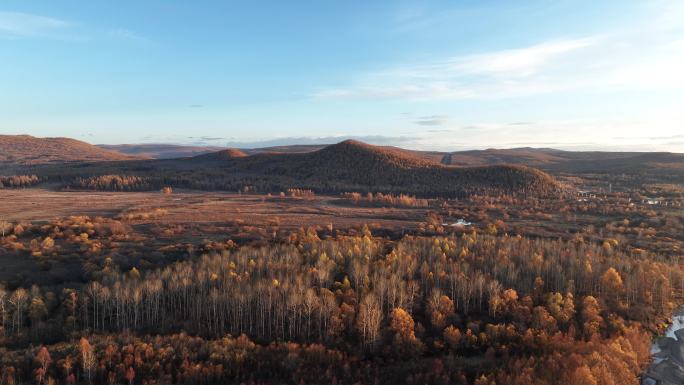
(434, 75)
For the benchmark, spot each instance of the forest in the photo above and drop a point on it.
(341, 192)
(313, 308)
(342, 167)
(346, 265)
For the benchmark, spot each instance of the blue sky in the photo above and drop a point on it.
(443, 75)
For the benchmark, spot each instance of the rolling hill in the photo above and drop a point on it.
(352, 165)
(597, 168)
(552, 159)
(346, 166)
(159, 151)
(547, 159)
(229, 153)
(29, 150)
(349, 165)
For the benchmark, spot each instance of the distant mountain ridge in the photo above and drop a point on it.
(160, 151)
(548, 159)
(346, 166)
(349, 165)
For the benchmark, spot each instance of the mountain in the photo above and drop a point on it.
(547, 159)
(170, 151)
(229, 153)
(527, 156)
(356, 166)
(552, 159)
(29, 150)
(346, 166)
(598, 169)
(160, 151)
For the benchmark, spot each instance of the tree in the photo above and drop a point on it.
(611, 285)
(37, 310)
(542, 320)
(452, 335)
(369, 319)
(405, 342)
(43, 359)
(591, 318)
(18, 300)
(440, 309)
(67, 365)
(3, 311)
(562, 309)
(130, 375)
(47, 244)
(88, 359)
(582, 376)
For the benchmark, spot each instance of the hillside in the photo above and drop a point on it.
(598, 169)
(159, 151)
(553, 159)
(29, 150)
(547, 159)
(352, 163)
(346, 166)
(349, 165)
(229, 153)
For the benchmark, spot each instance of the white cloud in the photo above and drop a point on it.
(671, 14)
(648, 55)
(594, 63)
(17, 24)
(518, 62)
(431, 120)
(571, 134)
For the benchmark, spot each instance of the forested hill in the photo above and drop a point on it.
(28, 150)
(346, 166)
(353, 165)
(622, 169)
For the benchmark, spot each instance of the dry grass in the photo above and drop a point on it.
(201, 208)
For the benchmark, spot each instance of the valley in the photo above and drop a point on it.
(293, 266)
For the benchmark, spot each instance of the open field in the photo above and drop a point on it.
(202, 207)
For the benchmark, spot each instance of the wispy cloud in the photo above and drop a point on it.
(586, 134)
(481, 75)
(645, 56)
(433, 120)
(18, 24)
(671, 13)
(519, 62)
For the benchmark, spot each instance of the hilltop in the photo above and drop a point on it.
(548, 159)
(29, 150)
(552, 159)
(229, 153)
(343, 166)
(346, 166)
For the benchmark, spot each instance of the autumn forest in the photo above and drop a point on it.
(535, 279)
